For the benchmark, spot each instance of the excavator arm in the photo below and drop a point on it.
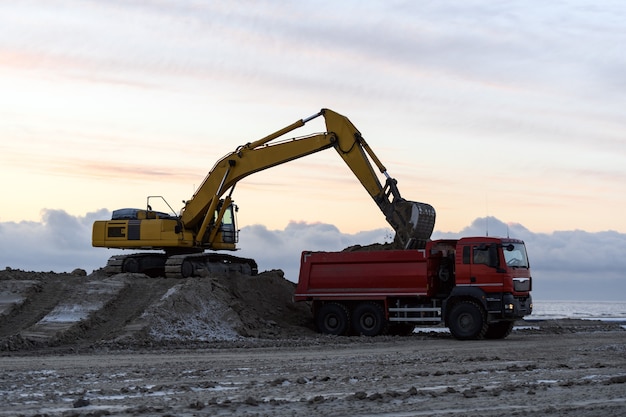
(413, 222)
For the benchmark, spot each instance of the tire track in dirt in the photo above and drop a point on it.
(36, 321)
(68, 311)
(39, 302)
(119, 317)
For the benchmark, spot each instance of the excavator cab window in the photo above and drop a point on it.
(228, 228)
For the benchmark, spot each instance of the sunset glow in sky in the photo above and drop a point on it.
(512, 109)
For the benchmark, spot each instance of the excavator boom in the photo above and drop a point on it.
(413, 222)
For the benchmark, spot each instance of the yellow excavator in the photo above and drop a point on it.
(208, 221)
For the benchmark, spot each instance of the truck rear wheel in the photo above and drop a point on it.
(368, 319)
(467, 321)
(332, 318)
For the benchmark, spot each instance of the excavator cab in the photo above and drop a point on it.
(228, 225)
(221, 232)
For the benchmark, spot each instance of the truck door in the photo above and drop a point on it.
(483, 268)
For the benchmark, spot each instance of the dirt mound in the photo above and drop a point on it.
(227, 308)
(39, 309)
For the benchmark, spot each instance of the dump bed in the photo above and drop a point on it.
(362, 275)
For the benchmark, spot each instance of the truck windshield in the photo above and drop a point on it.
(515, 255)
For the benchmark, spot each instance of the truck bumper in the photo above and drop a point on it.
(516, 307)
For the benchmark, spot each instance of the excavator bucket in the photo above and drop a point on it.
(413, 222)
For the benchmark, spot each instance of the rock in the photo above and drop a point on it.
(81, 402)
(251, 401)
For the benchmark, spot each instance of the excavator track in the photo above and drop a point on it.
(179, 266)
(203, 264)
(151, 264)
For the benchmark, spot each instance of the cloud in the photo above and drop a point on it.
(566, 265)
(485, 44)
(59, 242)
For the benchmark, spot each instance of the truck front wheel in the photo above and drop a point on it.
(368, 319)
(467, 321)
(332, 318)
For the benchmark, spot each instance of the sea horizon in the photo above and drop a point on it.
(578, 309)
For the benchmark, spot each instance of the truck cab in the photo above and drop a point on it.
(494, 272)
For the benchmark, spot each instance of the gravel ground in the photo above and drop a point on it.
(557, 368)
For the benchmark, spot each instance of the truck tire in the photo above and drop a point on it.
(499, 330)
(467, 321)
(333, 318)
(368, 319)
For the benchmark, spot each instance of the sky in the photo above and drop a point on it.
(510, 111)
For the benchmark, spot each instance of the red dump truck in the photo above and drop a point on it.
(477, 286)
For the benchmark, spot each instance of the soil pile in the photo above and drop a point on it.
(39, 309)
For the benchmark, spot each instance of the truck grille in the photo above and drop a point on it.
(521, 284)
